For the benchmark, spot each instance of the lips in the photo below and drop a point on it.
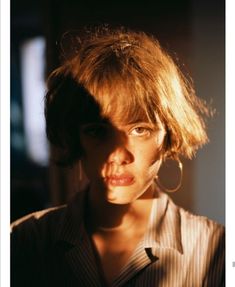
(120, 180)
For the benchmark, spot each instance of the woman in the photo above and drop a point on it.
(118, 108)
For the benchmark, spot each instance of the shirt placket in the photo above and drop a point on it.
(141, 258)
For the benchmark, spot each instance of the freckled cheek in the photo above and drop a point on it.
(148, 160)
(149, 153)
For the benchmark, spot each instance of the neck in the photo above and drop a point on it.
(106, 217)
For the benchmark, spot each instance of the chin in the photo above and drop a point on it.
(120, 197)
(118, 201)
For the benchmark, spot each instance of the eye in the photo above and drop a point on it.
(97, 131)
(141, 131)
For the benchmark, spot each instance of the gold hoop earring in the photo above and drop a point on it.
(180, 166)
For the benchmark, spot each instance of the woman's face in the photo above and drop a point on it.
(121, 160)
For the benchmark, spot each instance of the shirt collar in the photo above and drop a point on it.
(163, 229)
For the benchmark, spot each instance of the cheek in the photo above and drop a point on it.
(148, 159)
(93, 159)
(150, 153)
(156, 151)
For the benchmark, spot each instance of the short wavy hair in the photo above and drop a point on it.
(127, 73)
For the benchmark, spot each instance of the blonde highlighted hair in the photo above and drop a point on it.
(127, 73)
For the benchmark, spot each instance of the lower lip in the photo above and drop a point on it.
(120, 181)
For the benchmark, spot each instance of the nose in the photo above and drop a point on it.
(121, 156)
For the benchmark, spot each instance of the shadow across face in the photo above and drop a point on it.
(112, 143)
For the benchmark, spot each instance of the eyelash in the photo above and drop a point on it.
(146, 131)
(101, 131)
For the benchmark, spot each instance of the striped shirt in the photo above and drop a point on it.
(52, 248)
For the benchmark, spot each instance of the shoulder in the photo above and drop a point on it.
(202, 237)
(38, 216)
(189, 221)
(44, 217)
(38, 241)
(37, 227)
(43, 228)
(32, 239)
(203, 245)
(195, 231)
(198, 226)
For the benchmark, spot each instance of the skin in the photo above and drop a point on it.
(121, 161)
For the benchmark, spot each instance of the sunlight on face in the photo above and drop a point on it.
(121, 160)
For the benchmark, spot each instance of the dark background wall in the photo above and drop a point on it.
(192, 31)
